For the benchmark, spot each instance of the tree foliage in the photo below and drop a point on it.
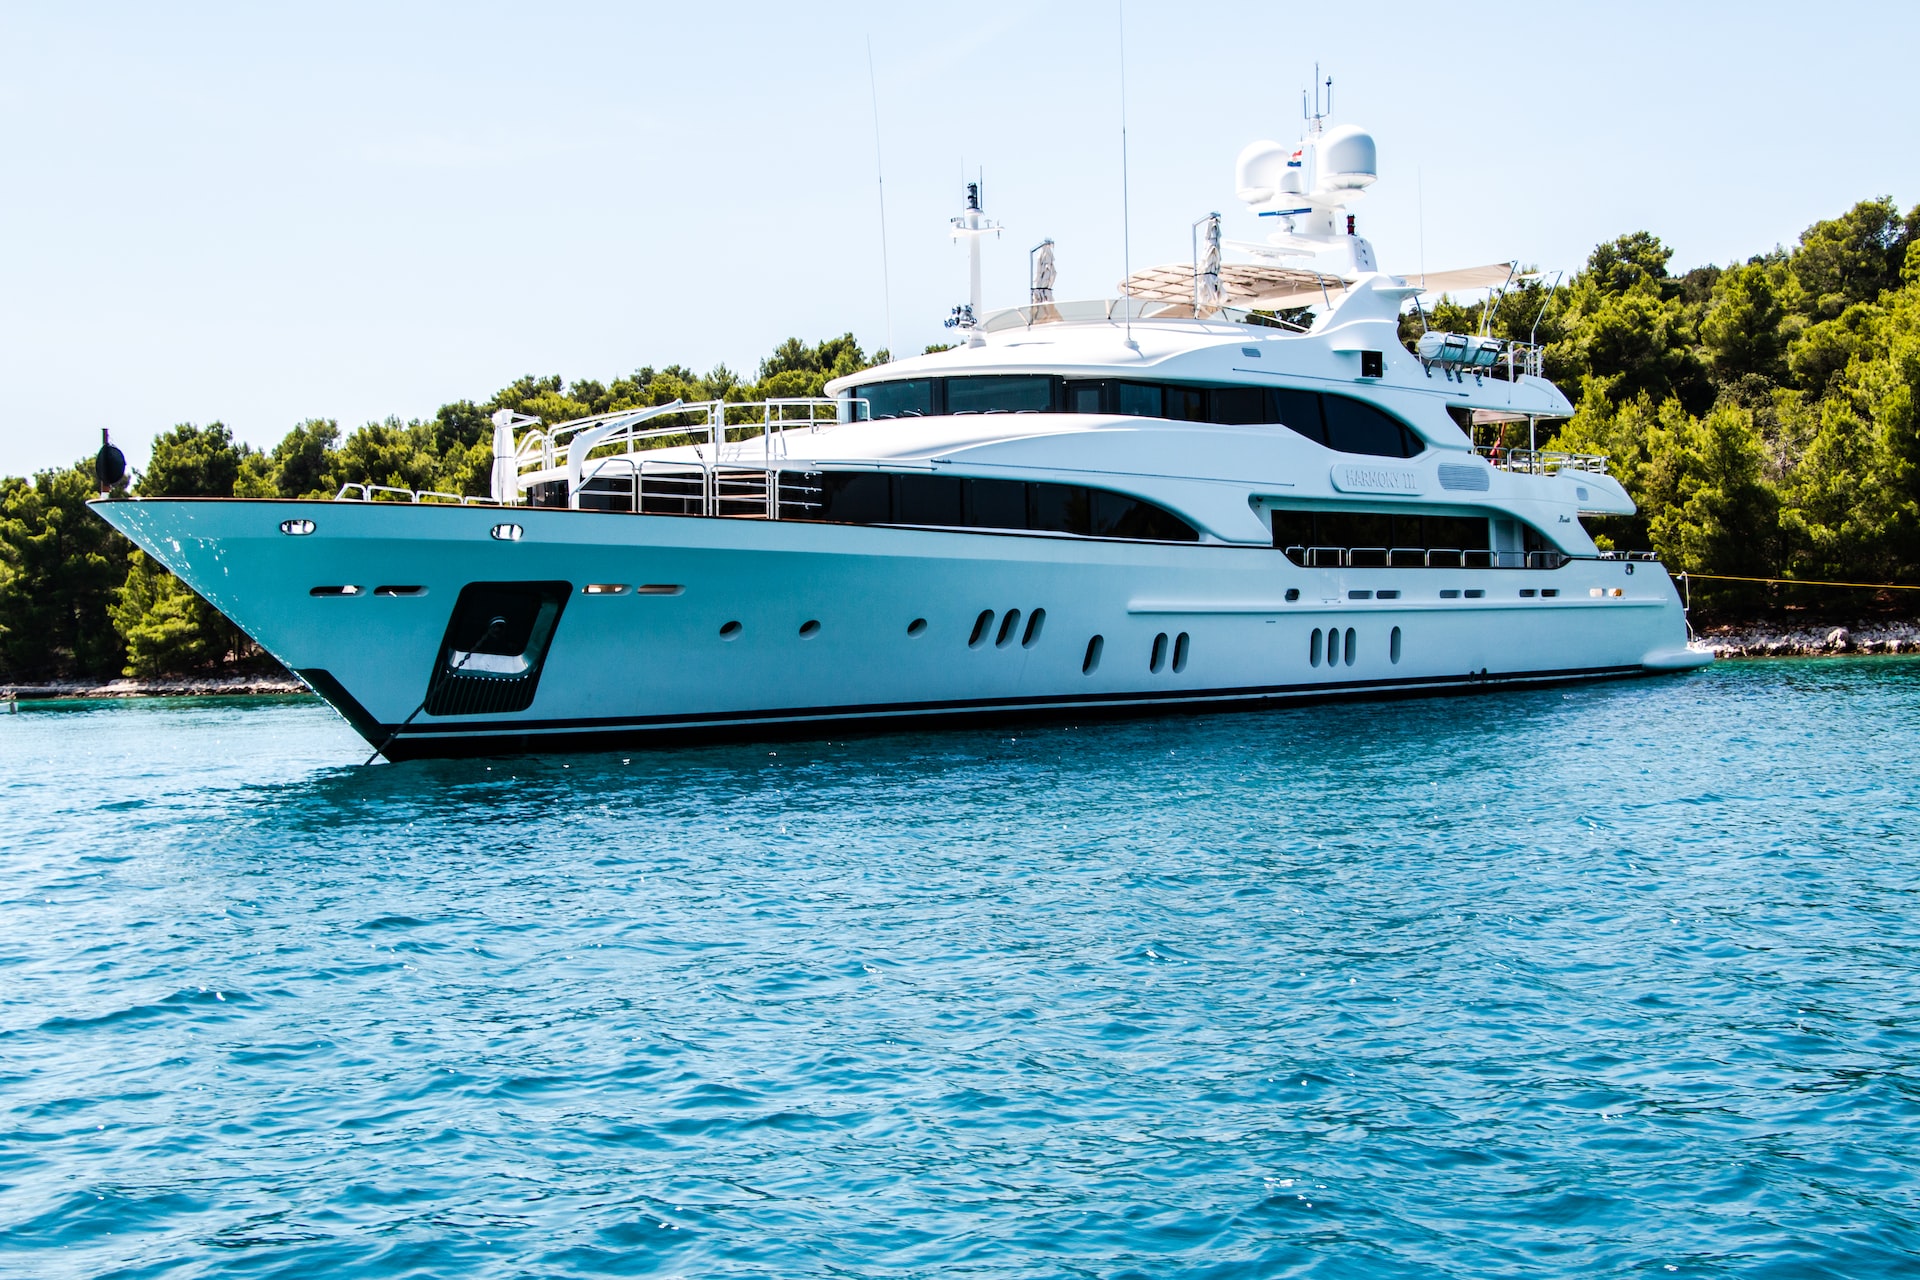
(59, 565)
(1761, 415)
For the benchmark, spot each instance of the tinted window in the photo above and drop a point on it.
(1459, 532)
(865, 497)
(1299, 411)
(1115, 515)
(1237, 405)
(1017, 393)
(856, 497)
(1293, 529)
(1139, 400)
(1338, 422)
(910, 398)
(1353, 426)
(1357, 529)
(996, 504)
(927, 500)
(1084, 398)
(1379, 529)
(1058, 508)
(1185, 404)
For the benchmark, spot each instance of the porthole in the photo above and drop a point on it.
(1548, 593)
(508, 533)
(1352, 647)
(658, 589)
(731, 631)
(1180, 653)
(1009, 625)
(1359, 595)
(399, 591)
(296, 528)
(1313, 649)
(1386, 595)
(604, 589)
(346, 590)
(981, 625)
(1293, 593)
(1091, 663)
(918, 627)
(1035, 620)
(1159, 658)
(810, 628)
(1393, 645)
(1475, 593)
(1526, 593)
(1452, 593)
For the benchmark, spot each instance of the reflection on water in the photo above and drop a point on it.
(1609, 979)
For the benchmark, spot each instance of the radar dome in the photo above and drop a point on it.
(1348, 160)
(1260, 171)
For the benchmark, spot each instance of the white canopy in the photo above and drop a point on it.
(1272, 288)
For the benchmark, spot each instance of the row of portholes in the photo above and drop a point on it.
(1338, 648)
(1158, 661)
(983, 629)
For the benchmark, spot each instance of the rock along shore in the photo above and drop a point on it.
(1748, 640)
(209, 686)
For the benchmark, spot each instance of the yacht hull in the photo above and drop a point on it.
(705, 628)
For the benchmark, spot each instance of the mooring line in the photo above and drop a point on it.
(434, 688)
(1805, 582)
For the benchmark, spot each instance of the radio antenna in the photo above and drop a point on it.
(1126, 219)
(1420, 206)
(880, 181)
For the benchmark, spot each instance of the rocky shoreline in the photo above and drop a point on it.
(1737, 640)
(257, 684)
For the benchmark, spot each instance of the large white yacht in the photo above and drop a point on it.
(1168, 500)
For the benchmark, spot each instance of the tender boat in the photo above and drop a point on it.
(1172, 500)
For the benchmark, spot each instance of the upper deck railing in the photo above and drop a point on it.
(717, 430)
(1542, 462)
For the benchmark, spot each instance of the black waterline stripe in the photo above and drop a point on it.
(882, 710)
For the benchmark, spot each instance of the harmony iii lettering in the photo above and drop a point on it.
(1362, 479)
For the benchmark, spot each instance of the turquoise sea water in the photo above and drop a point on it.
(1614, 980)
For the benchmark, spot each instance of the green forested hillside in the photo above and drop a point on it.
(1763, 416)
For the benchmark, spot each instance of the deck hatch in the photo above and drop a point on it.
(496, 643)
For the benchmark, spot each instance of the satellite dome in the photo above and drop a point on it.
(1348, 159)
(1260, 171)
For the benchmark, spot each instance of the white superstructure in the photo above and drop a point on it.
(1156, 502)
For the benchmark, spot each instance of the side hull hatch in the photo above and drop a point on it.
(496, 644)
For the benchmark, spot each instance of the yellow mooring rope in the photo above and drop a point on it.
(1805, 582)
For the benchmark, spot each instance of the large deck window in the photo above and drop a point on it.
(967, 502)
(1014, 393)
(1380, 539)
(1339, 422)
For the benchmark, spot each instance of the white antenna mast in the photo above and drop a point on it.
(972, 225)
(1126, 219)
(880, 181)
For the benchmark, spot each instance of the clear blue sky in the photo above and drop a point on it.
(259, 214)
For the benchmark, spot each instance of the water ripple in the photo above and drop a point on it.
(1611, 980)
